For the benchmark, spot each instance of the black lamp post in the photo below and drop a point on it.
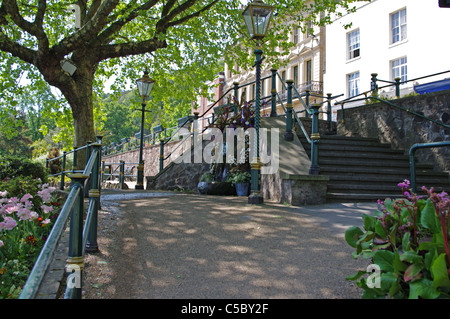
(145, 86)
(257, 17)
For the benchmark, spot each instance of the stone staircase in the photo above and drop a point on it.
(363, 169)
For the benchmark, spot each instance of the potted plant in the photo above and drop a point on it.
(241, 180)
(204, 185)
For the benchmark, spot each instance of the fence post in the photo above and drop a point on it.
(94, 195)
(315, 136)
(161, 155)
(75, 159)
(329, 112)
(236, 97)
(61, 186)
(75, 262)
(373, 84)
(121, 173)
(307, 95)
(397, 87)
(273, 111)
(289, 136)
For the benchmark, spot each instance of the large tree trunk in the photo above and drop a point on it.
(79, 96)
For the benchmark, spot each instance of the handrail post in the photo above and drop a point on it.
(397, 87)
(75, 262)
(236, 97)
(102, 172)
(307, 95)
(94, 195)
(161, 155)
(121, 174)
(75, 159)
(273, 111)
(373, 84)
(289, 136)
(329, 112)
(195, 129)
(61, 186)
(315, 136)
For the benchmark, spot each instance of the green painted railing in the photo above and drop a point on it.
(81, 237)
(412, 164)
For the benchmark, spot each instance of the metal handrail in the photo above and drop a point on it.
(72, 207)
(412, 151)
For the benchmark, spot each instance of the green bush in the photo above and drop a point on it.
(407, 241)
(12, 166)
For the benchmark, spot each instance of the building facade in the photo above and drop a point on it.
(403, 39)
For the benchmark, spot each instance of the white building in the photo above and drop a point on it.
(304, 67)
(393, 38)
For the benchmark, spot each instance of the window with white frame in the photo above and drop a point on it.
(353, 44)
(353, 84)
(295, 35)
(398, 26)
(399, 69)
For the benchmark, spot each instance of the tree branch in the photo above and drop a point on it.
(88, 32)
(193, 15)
(117, 25)
(132, 48)
(17, 50)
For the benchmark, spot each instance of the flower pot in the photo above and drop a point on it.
(215, 188)
(242, 189)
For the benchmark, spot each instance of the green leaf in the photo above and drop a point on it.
(411, 257)
(369, 222)
(423, 288)
(439, 272)
(379, 229)
(387, 281)
(352, 235)
(399, 266)
(429, 219)
(356, 275)
(406, 243)
(413, 272)
(385, 260)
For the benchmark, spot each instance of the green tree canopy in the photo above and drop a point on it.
(179, 41)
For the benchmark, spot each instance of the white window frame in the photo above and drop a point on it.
(353, 44)
(353, 83)
(399, 68)
(399, 26)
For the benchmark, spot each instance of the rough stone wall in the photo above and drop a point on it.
(150, 156)
(402, 129)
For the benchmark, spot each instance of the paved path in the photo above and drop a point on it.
(174, 245)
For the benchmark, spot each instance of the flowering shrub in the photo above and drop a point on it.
(25, 223)
(407, 240)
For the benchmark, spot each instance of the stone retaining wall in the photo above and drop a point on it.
(402, 129)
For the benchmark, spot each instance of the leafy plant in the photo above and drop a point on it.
(240, 177)
(13, 166)
(207, 177)
(408, 241)
(25, 223)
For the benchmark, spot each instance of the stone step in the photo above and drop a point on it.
(363, 169)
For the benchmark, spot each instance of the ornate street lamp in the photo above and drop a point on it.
(145, 86)
(257, 18)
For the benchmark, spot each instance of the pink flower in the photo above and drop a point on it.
(1, 243)
(46, 208)
(25, 198)
(46, 221)
(4, 193)
(8, 223)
